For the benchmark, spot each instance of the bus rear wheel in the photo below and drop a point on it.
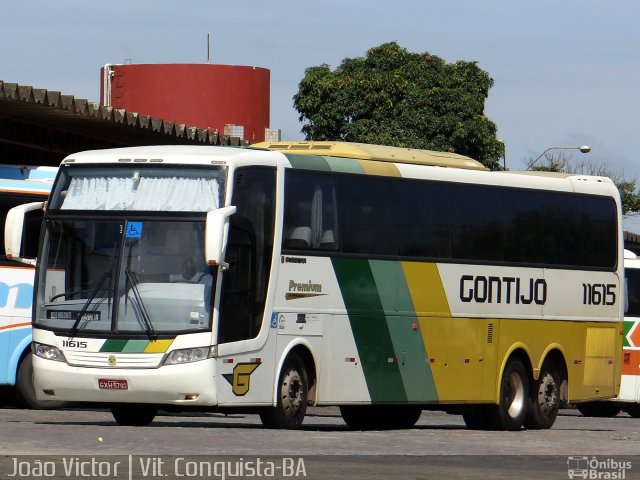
(511, 410)
(544, 399)
(25, 392)
(292, 393)
(380, 417)
(132, 415)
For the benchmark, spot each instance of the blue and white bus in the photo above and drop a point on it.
(19, 185)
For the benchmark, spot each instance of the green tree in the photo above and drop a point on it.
(394, 97)
(559, 162)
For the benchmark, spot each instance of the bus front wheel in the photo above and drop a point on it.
(132, 415)
(544, 400)
(25, 392)
(292, 393)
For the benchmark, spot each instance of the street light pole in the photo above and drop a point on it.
(583, 149)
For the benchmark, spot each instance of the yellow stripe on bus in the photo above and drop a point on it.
(158, 346)
(426, 289)
(379, 168)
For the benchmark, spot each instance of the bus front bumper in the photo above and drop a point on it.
(187, 384)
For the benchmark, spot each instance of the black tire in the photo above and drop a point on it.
(293, 393)
(134, 415)
(355, 416)
(510, 413)
(602, 409)
(380, 417)
(633, 409)
(544, 399)
(25, 393)
(476, 417)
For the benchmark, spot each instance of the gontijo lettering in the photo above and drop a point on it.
(482, 289)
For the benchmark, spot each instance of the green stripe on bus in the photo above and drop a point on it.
(113, 345)
(308, 162)
(344, 165)
(407, 342)
(370, 330)
(135, 346)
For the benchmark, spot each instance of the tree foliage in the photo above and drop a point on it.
(394, 97)
(629, 193)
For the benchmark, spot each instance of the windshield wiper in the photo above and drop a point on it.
(74, 329)
(70, 292)
(133, 281)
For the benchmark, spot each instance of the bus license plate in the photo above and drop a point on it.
(108, 384)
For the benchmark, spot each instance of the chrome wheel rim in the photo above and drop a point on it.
(291, 393)
(547, 395)
(515, 395)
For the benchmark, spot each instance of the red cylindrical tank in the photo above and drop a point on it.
(198, 95)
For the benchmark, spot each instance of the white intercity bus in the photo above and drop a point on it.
(381, 280)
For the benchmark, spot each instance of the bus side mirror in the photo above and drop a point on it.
(216, 235)
(15, 231)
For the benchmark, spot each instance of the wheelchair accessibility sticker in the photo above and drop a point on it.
(134, 230)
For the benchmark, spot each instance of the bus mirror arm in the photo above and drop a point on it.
(14, 231)
(216, 232)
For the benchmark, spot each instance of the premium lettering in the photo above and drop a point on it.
(305, 287)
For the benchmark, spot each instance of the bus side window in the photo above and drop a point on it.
(249, 253)
(310, 215)
(238, 283)
(366, 216)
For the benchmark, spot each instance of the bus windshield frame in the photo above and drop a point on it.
(107, 268)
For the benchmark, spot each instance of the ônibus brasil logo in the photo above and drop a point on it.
(596, 468)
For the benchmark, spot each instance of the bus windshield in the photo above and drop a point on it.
(128, 270)
(139, 189)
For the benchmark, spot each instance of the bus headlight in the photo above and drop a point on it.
(48, 352)
(186, 355)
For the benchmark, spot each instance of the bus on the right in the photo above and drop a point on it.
(628, 399)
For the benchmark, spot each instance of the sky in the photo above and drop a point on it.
(565, 72)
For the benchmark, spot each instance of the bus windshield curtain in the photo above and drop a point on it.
(172, 194)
